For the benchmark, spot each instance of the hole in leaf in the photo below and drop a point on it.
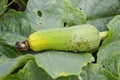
(65, 23)
(39, 13)
(103, 66)
(80, 8)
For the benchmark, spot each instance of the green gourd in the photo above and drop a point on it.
(80, 38)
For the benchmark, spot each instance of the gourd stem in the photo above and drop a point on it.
(103, 34)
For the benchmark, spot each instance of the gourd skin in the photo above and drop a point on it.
(78, 38)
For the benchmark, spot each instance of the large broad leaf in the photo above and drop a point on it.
(109, 52)
(63, 63)
(41, 14)
(13, 27)
(96, 72)
(15, 22)
(30, 72)
(8, 65)
(99, 12)
(45, 14)
(30, 69)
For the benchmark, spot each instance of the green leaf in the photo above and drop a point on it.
(13, 27)
(99, 8)
(114, 30)
(9, 51)
(96, 72)
(3, 5)
(7, 44)
(16, 23)
(109, 52)
(99, 12)
(11, 38)
(8, 65)
(63, 63)
(53, 14)
(30, 72)
(100, 23)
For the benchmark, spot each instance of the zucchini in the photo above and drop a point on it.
(80, 38)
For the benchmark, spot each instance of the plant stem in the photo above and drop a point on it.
(10, 3)
(103, 34)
